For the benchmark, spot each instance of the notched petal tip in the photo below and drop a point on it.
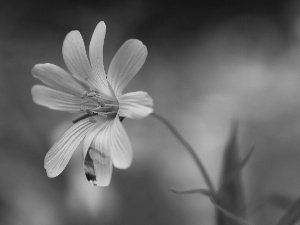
(39, 65)
(72, 38)
(50, 175)
(72, 32)
(134, 41)
(138, 46)
(148, 99)
(33, 91)
(123, 166)
(101, 24)
(34, 69)
(37, 68)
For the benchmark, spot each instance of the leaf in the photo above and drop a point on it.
(292, 215)
(238, 168)
(232, 216)
(193, 191)
(279, 200)
(231, 194)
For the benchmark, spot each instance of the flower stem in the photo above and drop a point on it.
(189, 149)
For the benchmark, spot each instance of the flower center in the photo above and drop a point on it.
(94, 104)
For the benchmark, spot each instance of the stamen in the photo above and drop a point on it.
(91, 94)
(103, 109)
(84, 94)
(102, 115)
(100, 102)
(111, 113)
(89, 111)
(89, 103)
(94, 104)
(107, 114)
(112, 105)
(93, 90)
(82, 108)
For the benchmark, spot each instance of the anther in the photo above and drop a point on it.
(102, 115)
(102, 109)
(93, 90)
(84, 94)
(82, 108)
(89, 111)
(91, 94)
(99, 108)
(102, 104)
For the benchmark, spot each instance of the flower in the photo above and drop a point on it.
(87, 89)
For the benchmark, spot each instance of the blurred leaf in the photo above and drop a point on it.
(236, 172)
(234, 218)
(292, 215)
(193, 191)
(279, 200)
(231, 193)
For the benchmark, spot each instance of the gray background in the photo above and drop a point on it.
(209, 62)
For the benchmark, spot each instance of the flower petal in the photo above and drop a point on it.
(98, 163)
(96, 47)
(96, 58)
(60, 153)
(126, 63)
(56, 100)
(76, 60)
(57, 78)
(75, 57)
(121, 150)
(100, 124)
(98, 168)
(135, 105)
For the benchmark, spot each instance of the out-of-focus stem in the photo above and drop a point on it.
(189, 149)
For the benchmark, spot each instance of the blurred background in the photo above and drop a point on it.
(210, 62)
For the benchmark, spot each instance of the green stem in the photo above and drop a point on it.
(189, 149)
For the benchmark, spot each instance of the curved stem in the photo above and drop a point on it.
(189, 149)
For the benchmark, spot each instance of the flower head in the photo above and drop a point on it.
(88, 89)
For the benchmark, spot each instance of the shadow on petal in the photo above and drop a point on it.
(89, 168)
(98, 167)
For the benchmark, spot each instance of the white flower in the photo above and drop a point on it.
(88, 89)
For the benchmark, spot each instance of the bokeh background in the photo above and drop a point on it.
(210, 62)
